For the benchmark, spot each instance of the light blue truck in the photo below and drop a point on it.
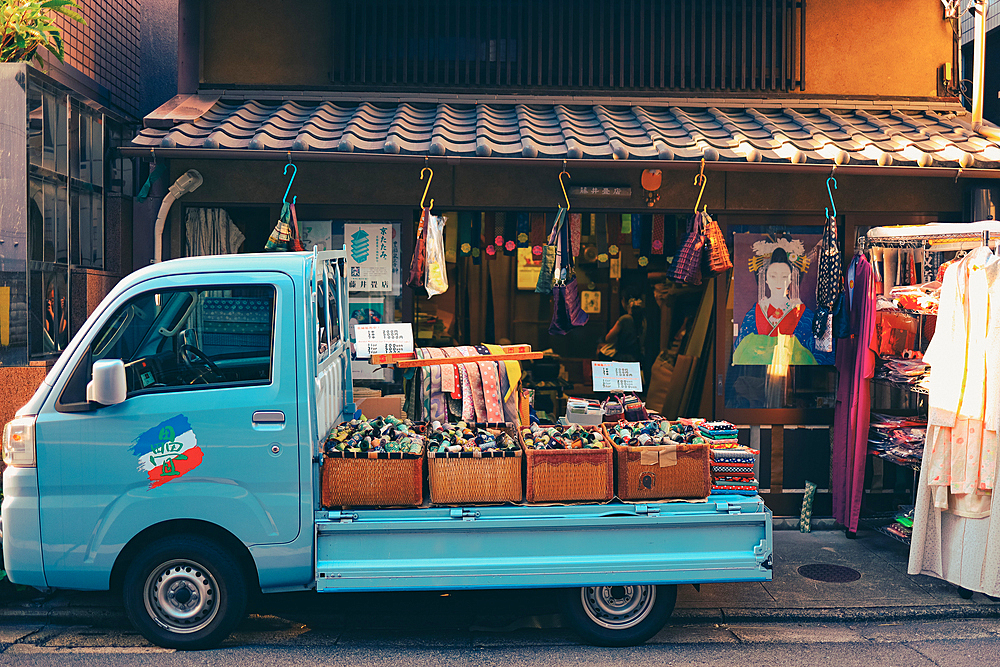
(173, 453)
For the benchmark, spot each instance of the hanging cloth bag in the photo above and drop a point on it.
(549, 256)
(418, 263)
(686, 267)
(295, 243)
(715, 254)
(436, 280)
(567, 312)
(282, 232)
(829, 281)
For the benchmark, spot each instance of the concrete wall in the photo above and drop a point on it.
(857, 48)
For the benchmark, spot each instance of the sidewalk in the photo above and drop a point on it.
(884, 592)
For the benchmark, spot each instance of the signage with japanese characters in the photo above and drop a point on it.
(616, 375)
(382, 339)
(369, 257)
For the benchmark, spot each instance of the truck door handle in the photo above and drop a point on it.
(268, 417)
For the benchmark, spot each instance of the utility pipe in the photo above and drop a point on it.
(978, 8)
(189, 181)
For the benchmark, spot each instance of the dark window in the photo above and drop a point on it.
(191, 338)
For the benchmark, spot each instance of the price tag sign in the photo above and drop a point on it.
(382, 339)
(616, 375)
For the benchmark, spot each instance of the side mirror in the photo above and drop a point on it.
(108, 386)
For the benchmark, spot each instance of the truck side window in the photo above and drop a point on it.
(190, 338)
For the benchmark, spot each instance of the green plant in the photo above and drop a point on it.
(29, 24)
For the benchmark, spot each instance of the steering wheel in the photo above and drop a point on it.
(189, 353)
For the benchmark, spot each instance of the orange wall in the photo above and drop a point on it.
(875, 47)
(858, 47)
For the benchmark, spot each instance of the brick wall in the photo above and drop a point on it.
(107, 48)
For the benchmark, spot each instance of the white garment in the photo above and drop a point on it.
(210, 231)
(962, 550)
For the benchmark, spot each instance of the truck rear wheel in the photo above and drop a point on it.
(184, 592)
(619, 615)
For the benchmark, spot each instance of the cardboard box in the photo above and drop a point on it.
(381, 406)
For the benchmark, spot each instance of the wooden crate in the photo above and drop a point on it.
(372, 480)
(662, 472)
(569, 475)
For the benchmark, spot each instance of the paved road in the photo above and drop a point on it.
(275, 642)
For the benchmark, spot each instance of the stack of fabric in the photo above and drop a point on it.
(720, 434)
(732, 471)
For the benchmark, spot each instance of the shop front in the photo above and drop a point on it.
(706, 347)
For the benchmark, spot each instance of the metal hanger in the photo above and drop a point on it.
(429, 179)
(284, 200)
(563, 186)
(830, 192)
(701, 180)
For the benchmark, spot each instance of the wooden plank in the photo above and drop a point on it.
(383, 359)
(446, 361)
(777, 457)
(179, 109)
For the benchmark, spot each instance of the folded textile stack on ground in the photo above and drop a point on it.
(732, 464)
(898, 439)
(719, 434)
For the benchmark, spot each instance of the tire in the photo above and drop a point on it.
(185, 592)
(619, 615)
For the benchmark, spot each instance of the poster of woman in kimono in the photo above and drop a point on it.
(774, 300)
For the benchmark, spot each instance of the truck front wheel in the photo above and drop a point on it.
(619, 615)
(184, 592)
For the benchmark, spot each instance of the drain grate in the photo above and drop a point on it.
(832, 574)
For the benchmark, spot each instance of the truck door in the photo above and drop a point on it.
(208, 431)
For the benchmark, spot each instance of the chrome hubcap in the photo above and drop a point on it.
(618, 607)
(181, 596)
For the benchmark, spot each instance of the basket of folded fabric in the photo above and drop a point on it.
(660, 459)
(373, 463)
(733, 471)
(469, 463)
(568, 464)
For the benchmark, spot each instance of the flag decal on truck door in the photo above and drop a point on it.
(167, 451)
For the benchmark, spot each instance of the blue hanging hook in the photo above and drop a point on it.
(284, 200)
(832, 204)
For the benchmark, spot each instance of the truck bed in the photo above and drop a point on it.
(727, 538)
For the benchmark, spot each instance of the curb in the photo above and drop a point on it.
(113, 617)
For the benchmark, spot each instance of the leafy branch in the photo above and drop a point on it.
(29, 24)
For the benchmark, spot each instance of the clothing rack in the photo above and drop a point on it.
(935, 236)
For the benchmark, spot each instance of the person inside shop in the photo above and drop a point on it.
(626, 339)
(779, 315)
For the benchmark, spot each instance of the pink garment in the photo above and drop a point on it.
(856, 366)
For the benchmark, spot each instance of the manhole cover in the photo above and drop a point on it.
(834, 574)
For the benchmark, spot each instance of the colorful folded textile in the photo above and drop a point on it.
(718, 434)
(733, 492)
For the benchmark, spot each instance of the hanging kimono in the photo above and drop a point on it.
(954, 537)
(856, 366)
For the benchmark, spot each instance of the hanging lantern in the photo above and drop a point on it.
(651, 180)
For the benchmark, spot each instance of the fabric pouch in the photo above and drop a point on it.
(715, 254)
(686, 267)
(418, 263)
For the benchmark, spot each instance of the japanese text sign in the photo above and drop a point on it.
(369, 257)
(616, 376)
(382, 339)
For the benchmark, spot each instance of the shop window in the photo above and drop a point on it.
(173, 339)
(66, 208)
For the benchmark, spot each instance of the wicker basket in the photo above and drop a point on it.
(465, 477)
(680, 471)
(569, 475)
(373, 480)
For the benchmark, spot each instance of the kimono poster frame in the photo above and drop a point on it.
(774, 300)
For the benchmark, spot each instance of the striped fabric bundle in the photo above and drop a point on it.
(732, 468)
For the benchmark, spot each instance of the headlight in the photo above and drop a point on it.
(19, 443)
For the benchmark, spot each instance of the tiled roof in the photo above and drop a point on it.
(766, 133)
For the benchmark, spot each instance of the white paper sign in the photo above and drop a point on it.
(382, 339)
(369, 257)
(616, 375)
